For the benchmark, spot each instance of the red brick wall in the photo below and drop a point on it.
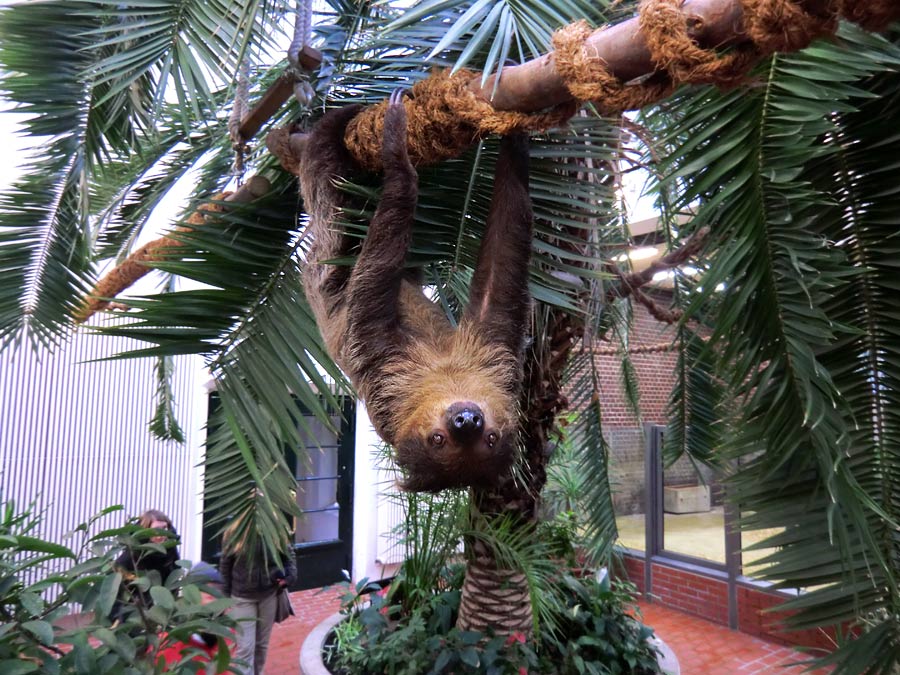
(654, 362)
(707, 597)
(755, 618)
(632, 570)
(691, 593)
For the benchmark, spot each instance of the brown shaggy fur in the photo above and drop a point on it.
(415, 372)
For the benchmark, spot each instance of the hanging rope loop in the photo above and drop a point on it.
(303, 91)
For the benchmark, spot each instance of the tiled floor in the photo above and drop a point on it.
(702, 648)
(310, 608)
(706, 648)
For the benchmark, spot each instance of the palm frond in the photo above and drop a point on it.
(164, 424)
(781, 173)
(45, 235)
(494, 30)
(183, 47)
(592, 451)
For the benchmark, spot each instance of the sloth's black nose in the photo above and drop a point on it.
(466, 421)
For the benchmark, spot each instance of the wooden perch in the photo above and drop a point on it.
(275, 96)
(630, 50)
(620, 67)
(140, 262)
(621, 48)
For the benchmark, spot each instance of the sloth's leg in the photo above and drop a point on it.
(499, 301)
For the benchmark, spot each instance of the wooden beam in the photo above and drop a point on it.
(276, 95)
(536, 85)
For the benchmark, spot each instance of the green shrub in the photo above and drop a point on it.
(592, 633)
(41, 581)
(377, 639)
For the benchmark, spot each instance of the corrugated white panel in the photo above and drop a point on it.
(390, 514)
(74, 435)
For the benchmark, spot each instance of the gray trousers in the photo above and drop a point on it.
(252, 637)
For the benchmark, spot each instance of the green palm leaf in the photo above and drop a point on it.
(780, 173)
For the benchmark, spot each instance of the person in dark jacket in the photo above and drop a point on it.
(144, 561)
(134, 562)
(253, 580)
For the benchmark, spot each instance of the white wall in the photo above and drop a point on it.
(375, 514)
(74, 434)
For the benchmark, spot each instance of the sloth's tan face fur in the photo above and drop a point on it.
(458, 373)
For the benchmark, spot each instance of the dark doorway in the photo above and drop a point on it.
(323, 468)
(323, 535)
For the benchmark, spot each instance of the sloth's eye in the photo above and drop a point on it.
(492, 439)
(437, 439)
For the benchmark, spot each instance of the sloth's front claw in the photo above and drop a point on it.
(397, 96)
(394, 150)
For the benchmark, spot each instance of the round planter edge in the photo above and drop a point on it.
(311, 662)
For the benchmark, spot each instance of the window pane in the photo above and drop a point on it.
(318, 463)
(317, 434)
(314, 495)
(317, 526)
(627, 478)
(693, 516)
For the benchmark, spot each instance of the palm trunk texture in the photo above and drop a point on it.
(493, 598)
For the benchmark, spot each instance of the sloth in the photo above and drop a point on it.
(445, 398)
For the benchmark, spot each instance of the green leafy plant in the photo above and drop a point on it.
(41, 582)
(378, 637)
(593, 633)
(408, 627)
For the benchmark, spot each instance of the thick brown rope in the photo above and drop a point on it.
(665, 30)
(588, 79)
(873, 15)
(445, 115)
(444, 118)
(783, 26)
(141, 261)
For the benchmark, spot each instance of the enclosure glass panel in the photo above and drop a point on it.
(317, 474)
(693, 514)
(628, 480)
(315, 495)
(318, 526)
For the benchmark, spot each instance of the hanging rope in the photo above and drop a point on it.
(303, 91)
(447, 113)
(238, 112)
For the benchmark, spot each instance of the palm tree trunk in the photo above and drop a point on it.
(493, 598)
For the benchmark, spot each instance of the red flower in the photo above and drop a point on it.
(518, 636)
(523, 670)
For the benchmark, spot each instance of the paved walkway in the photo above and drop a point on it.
(706, 648)
(702, 647)
(310, 608)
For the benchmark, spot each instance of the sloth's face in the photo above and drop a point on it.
(465, 444)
